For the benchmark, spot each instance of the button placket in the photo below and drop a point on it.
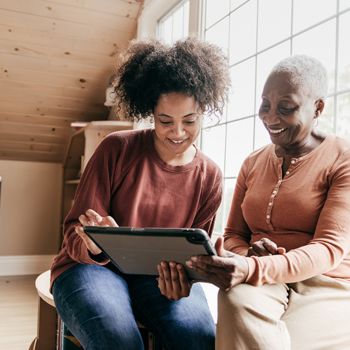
(271, 201)
(292, 165)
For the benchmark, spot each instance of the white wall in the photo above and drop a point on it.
(30, 207)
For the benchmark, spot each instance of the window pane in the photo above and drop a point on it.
(218, 34)
(178, 24)
(214, 12)
(239, 143)
(229, 187)
(319, 42)
(309, 12)
(219, 220)
(166, 30)
(241, 98)
(273, 32)
(262, 137)
(174, 25)
(266, 61)
(222, 214)
(344, 52)
(243, 32)
(344, 4)
(186, 19)
(343, 119)
(326, 119)
(213, 144)
(236, 3)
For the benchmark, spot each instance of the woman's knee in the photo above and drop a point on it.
(247, 297)
(237, 298)
(95, 305)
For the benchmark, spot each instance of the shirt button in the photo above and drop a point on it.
(274, 192)
(293, 161)
(270, 204)
(267, 216)
(287, 172)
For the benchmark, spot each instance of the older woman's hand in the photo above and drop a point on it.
(225, 270)
(91, 218)
(265, 247)
(173, 282)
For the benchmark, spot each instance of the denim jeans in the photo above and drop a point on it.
(100, 307)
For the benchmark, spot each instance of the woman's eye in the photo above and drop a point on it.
(263, 109)
(165, 122)
(287, 111)
(189, 121)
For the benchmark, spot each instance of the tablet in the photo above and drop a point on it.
(140, 250)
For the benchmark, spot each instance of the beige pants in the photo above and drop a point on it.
(309, 315)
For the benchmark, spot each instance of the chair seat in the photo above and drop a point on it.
(42, 285)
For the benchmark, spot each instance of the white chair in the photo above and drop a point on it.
(46, 338)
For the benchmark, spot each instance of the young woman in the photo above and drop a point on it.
(146, 178)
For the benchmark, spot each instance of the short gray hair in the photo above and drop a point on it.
(306, 72)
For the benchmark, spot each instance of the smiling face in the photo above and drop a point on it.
(177, 123)
(288, 111)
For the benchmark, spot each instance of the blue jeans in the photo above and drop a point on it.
(100, 307)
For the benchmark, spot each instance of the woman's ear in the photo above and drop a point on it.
(319, 107)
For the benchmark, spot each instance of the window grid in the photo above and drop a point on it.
(168, 19)
(334, 93)
(336, 69)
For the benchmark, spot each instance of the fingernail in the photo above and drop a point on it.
(189, 263)
(194, 258)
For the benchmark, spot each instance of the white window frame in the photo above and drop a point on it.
(154, 10)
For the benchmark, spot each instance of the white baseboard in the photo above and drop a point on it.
(17, 265)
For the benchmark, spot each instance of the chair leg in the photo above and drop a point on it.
(47, 327)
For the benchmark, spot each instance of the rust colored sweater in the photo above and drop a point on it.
(125, 178)
(307, 212)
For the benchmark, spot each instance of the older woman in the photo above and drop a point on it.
(285, 273)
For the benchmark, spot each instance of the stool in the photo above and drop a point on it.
(53, 334)
(47, 316)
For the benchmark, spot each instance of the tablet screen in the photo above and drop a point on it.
(140, 250)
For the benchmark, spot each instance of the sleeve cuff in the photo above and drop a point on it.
(252, 266)
(89, 258)
(99, 258)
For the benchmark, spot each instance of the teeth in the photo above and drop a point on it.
(177, 141)
(278, 131)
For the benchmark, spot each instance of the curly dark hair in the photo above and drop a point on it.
(151, 68)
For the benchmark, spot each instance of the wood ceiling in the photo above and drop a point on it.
(56, 58)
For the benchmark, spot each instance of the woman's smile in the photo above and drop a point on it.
(178, 142)
(276, 131)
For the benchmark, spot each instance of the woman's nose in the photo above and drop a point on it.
(269, 117)
(179, 129)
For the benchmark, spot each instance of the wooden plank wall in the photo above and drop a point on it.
(56, 58)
